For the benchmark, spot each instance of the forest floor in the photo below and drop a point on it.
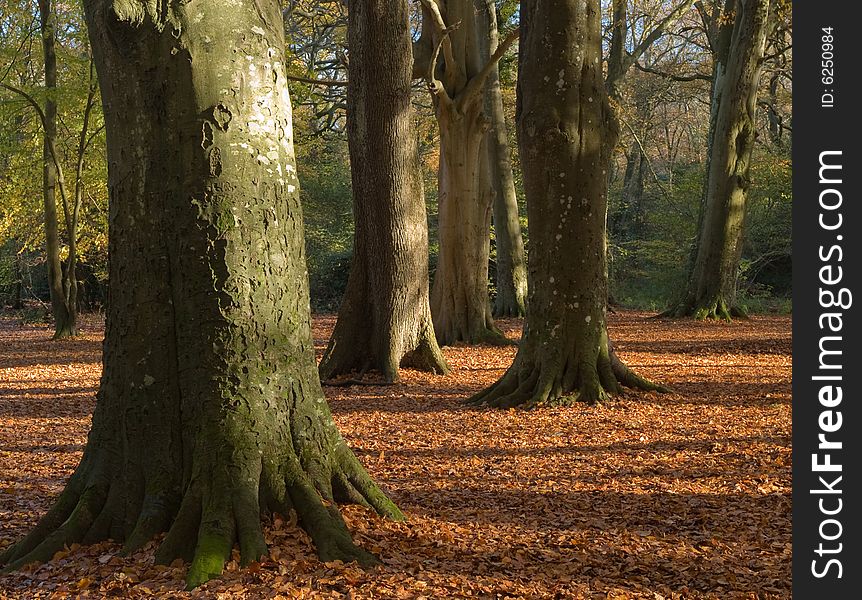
(680, 495)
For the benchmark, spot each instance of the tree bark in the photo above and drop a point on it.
(460, 304)
(497, 180)
(65, 314)
(711, 290)
(210, 409)
(566, 131)
(385, 319)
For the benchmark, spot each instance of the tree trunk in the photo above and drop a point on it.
(497, 180)
(460, 305)
(210, 409)
(565, 134)
(711, 291)
(385, 319)
(628, 221)
(65, 315)
(18, 273)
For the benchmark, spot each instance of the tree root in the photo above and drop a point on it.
(215, 513)
(545, 384)
(716, 309)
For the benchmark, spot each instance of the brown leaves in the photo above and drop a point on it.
(683, 495)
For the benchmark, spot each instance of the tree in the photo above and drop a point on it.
(460, 305)
(738, 37)
(210, 409)
(62, 270)
(496, 179)
(566, 130)
(384, 319)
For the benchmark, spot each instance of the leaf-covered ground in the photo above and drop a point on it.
(682, 495)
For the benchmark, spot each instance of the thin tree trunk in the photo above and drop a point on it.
(210, 409)
(711, 291)
(385, 319)
(566, 131)
(64, 314)
(498, 181)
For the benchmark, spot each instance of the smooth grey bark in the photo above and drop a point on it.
(384, 320)
(460, 305)
(210, 409)
(711, 289)
(566, 131)
(496, 179)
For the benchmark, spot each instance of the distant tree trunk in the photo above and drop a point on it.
(210, 409)
(60, 286)
(18, 274)
(496, 179)
(628, 221)
(385, 319)
(460, 305)
(566, 131)
(711, 290)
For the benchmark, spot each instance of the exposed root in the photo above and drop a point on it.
(548, 384)
(715, 309)
(216, 513)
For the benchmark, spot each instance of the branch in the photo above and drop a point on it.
(452, 70)
(477, 82)
(311, 80)
(656, 33)
(646, 157)
(435, 86)
(694, 77)
(30, 100)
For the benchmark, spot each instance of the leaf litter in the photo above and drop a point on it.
(680, 495)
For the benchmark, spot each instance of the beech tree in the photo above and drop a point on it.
(496, 178)
(737, 35)
(385, 319)
(566, 131)
(460, 305)
(210, 409)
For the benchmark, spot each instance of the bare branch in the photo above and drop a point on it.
(313, 81)
(435, 86)
(477, 82)
(692, 77)
(453, 71)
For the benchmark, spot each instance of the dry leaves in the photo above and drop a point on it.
(685, 495)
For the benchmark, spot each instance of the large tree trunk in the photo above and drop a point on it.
(460, 305)
(711, 290)
(384, 320)
(565, 134)
(210, 408)
(497, 180)
(65, 314)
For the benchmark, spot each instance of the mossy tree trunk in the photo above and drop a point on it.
(711, 289)
(566, 131)
(385, 319)
(460, 305)
(210, 409)
(496, 179)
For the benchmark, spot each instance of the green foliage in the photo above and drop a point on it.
(327, 206)
(21, 210)
(647, 272)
